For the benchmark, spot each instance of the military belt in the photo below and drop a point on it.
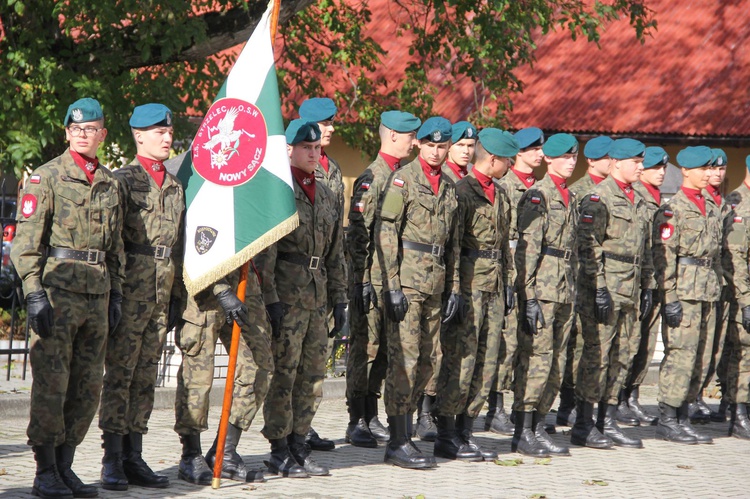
(88, 256)
(433, 249)
(635, 260)
(493, 254)
(558, 253)
(700, 262)
(513, 243)
(159, 251)
(311, 262)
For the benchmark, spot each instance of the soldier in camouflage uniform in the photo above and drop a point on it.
(514, 184)
(153, 204)
(303, 275)
(470, 348)
(68, 252)
(417, 244)
(545, 267)
(614, 252)
(367, 360)
(687, 240)
(596, 152)
(654, 169)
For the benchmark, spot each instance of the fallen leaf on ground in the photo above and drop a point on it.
(684, 467)
(601, 483)
(542, 460)
(508, 462)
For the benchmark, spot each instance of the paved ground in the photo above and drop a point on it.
(660, 470)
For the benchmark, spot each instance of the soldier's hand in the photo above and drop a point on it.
(510, 299)
(647, 303)
(174, 312)
(39, 313)
(364, 296)
(115, 310)
(276, 312)
(673, 313)
(533, 314)
(746, 318)
(603, 305)
(451, 307)
(397, 305)
(233, 307)
(339, 319)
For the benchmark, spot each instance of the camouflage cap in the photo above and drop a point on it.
(498, 142)
(529, 137)
(463, 130)
(317, 109)
(300, 130)
(655, 156)
(151, 115)
(695, 157)
(627, 148)
(598, 147)
(436, 129)
(83, 111)
(719, 157)
(400, 121)
(559, 144)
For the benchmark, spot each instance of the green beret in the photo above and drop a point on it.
(400, 121)
(436, 129)
(627, 148)
(317, 109)
(719, 157)
(300, 130)
(498, 142)
(83, 111)
(598, 147)
(695, 157)
(529, 137)
(559, 144)
(655, 156)
(151, 115)
(463, 130)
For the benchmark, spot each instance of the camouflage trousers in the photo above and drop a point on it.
(737, 355)
(720, 338)
(300, 363)
(506, 355)
(470, 356)
(573, 351)
(541, 359)
(411, 346)
(687, 353)
(646, 346)
(436, 359)
(606, 354)
(368, 359)
(67, 368)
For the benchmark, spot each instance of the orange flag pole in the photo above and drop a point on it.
(236, 331)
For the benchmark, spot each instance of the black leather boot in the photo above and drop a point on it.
(47, 481)
(193, 467)
(543, 438)
(449, 445)
(113, 476)
(64, 455)
(524, 440)
(357, 432)
(135, 468)
(426, 429)
(377, 429)
(614, 432)
(282, 462)
(584, 432)
(465, 429)
(566, 412)
(300, 451)
(497, 420)
(699, 412)
(669, 428)
(683, 419)
(720, 416)
(232, 465)
(637, 409)
(400, 450)
(740, 424)
(624, 414)
(316, 442)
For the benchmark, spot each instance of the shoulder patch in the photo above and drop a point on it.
(365, 186)
(359, 207)
(535, 199)
(666, 231)
(35, 179)
(398, 182)
(587, 218)
(595, 198)
(28, 205)
(668, 213)
(737, 219)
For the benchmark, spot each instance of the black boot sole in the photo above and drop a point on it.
(420, 466)
(189, 479)
(453, 457)
(275, 471)
(584, 443)
(36, 493)
(668, 439)
(116, 486)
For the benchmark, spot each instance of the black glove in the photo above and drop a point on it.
(603, 305)
(173, 314)
(451, 307)
(533, 314)
(39, 313)
(234, 309)
(276, 312)
(364, 296)
(746, 318)
(397, 305)
(115, 310)
(339, 319)
(647, 303)
(510, 299)
(673, 313)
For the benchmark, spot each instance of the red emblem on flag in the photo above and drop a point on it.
(398, 182)
(28, 205)
(666, 231)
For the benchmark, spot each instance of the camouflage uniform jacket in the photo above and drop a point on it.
(681, 230)
(583, 187)
(451, 174)
(152, 216)
(514, 189)
(335, 181)
(613, 229)
(546, 224)
(482, 226)
(318, 235)
(70, 213)
(412, 212)
(736, 246)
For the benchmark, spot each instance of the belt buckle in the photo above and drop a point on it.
(708, 262)
(160, 252)
(436, 250)
(314, 263)
(637, 260)
(567, 254)
(495, 254)
(92, 257)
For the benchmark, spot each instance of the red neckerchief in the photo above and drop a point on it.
(306, 181)
(154, 168)
(562, 186)
(696, 197)
(324, 160)
(432, 174)
(528, 179)
(488, 186)
(655, 192)
(393, 162)
(458, 170)
(596, 178)
(627, 189)
(88, 165)
(715, 193)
